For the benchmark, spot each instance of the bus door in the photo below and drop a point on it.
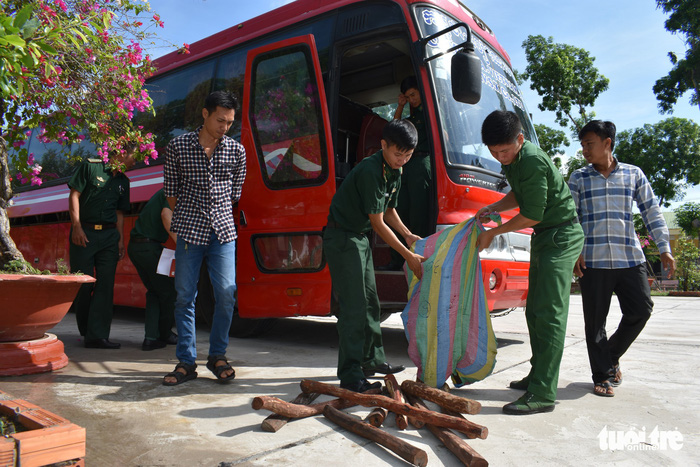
(288, 189)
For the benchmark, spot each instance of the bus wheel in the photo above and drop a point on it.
(204, 310)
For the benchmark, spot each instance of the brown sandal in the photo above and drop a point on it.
(179, 376)
(616, 376)
(218, 370)
(607, 389)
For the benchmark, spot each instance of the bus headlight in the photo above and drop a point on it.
(493, 280)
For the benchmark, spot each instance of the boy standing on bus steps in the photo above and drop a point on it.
(545, 203)
(365, 201)
(151, 230)
(98, 199)
(414, 199)
(202, 180)
(605, 193)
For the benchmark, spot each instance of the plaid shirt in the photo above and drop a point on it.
(206, 189)
(604, 207)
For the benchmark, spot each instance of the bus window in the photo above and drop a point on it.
(177, 100)
(286, 119)
(462, 122)
(229, 77)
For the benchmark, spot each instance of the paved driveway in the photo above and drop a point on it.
(131, 419)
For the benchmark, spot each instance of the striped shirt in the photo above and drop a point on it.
(604, 207)
(206, 189)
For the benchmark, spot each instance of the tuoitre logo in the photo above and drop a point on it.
(640, 440)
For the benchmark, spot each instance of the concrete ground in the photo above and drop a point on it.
(132, 420)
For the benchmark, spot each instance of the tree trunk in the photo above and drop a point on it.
(8, 249)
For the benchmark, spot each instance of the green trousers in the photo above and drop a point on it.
(414, 196)
(414, 200)
(349, 258)
(160, 289)
(93, 305)
(553, 254)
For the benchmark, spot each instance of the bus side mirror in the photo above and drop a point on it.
(466, 75)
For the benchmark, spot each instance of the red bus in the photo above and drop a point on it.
(318, 79)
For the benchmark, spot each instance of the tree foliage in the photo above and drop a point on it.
(565, 78)
(687, 255)
(668, 152)
(73, 69)
(684, 20)
(686, 214)
(552, 142)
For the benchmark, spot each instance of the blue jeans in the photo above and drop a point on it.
(221, 262)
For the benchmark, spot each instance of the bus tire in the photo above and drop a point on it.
(204, 310)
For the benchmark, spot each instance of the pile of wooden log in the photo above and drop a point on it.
(405, 401)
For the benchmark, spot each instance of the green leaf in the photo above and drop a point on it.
(29, 61)
(46, 47)
(81, 35)
(13, 40)
(30, 28)
(23, 16)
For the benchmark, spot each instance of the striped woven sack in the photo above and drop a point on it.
(446, 320)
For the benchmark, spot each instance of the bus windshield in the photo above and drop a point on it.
(461, 123)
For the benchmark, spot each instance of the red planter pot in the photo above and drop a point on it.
(30, 305)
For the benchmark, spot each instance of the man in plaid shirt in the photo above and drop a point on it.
(605, 192)
(203, 177)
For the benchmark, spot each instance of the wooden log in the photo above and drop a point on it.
(275, 422)
(376, 417)
(457, 446)
(395, 393)
(398, 446)
(371, 400)
(459, 415)
(289, 410)
(441, 398)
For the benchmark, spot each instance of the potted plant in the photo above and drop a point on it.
(32, 303)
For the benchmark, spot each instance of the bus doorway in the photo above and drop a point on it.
(368, 87)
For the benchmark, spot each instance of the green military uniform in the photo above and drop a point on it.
(371, 188)
(102, 193)
(543, 196)
(145, 248)
(414, 200)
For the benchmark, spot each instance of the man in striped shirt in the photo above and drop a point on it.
(605, 193)
(203, 177)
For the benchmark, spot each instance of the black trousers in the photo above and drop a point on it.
(632, 290)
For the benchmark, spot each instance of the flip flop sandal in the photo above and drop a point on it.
(218, 370)
(616, 377)
(605, 385)
(179, 376)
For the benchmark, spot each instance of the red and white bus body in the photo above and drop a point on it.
(313, 76)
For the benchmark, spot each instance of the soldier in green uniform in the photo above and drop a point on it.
(98, 199)
(546, 205)
(414, 199)
(367, 200)
(150, 231)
